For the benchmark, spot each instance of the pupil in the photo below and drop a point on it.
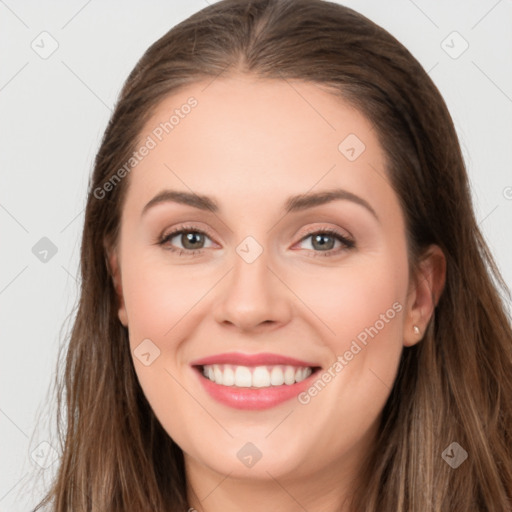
(191, 238)
(321, 240)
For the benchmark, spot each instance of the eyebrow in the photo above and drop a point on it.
(293, 204)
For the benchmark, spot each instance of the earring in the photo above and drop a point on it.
(416, 329)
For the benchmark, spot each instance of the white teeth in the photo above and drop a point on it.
(306, 372)
(217, 373)
(255, 376)
(276, 376)
(260, 377)
(289, 375)
(243, 377)
(228, 378)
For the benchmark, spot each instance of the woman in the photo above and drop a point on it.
(216, 363)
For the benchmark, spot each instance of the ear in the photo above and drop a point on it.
(115, 272)
(425, 289)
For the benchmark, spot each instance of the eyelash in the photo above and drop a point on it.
(347, 242)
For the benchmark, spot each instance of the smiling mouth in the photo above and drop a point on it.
(255, 377)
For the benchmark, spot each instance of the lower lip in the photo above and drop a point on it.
(253, 398)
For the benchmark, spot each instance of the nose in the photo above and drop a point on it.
(253, 297)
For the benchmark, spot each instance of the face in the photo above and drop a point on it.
(269, 301)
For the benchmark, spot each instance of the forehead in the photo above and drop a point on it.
(253, 137)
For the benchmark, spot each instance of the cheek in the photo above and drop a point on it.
(355, 301)
(364, 306)
(158, 295)
(160, 302)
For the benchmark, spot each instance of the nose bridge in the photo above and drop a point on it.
(252, 294)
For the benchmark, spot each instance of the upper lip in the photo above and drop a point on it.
(260, 359)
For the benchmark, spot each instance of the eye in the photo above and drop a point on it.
(192, 240)
(323, 242)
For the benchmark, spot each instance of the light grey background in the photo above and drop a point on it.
(53, 113)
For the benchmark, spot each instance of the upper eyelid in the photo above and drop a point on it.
(177, 231)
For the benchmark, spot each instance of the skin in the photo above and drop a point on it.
(250, 144)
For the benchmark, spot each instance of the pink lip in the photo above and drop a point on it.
(260, 359)
(252, 398)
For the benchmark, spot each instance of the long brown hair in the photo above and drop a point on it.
(453, 386)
